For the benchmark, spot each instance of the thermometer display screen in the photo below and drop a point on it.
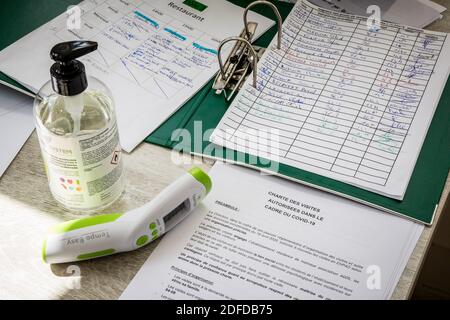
(178, 212)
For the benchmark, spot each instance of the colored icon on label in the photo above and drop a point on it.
(70, 184)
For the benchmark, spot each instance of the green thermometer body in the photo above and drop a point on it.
(103, 235)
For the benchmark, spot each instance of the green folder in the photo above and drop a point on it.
(19, 17)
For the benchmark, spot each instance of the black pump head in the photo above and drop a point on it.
(68, 74)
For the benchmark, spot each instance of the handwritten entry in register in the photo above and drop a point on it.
(342, 98)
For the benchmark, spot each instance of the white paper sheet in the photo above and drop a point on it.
(153, 55)
(262, 237)
(342, 100)
(434, 5)
(16, 124)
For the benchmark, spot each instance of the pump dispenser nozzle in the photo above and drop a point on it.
(68, 74)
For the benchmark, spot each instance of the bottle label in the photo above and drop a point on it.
(84, 172)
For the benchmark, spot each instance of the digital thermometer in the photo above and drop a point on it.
(102, 235)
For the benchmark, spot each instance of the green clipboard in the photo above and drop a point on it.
(426, 184)
(19, 17)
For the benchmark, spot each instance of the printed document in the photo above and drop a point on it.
(415, 13)
(342, 98)
(153, 55)
(263, 237)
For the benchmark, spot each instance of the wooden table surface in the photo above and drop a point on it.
(27, 210)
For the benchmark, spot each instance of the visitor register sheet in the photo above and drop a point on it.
(153, 55)
(263, 237)
(344, 98)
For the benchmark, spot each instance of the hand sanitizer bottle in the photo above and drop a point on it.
(77, 130)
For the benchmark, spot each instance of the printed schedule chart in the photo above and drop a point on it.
(344, 98)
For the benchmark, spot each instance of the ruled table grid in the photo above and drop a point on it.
(342, 96)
